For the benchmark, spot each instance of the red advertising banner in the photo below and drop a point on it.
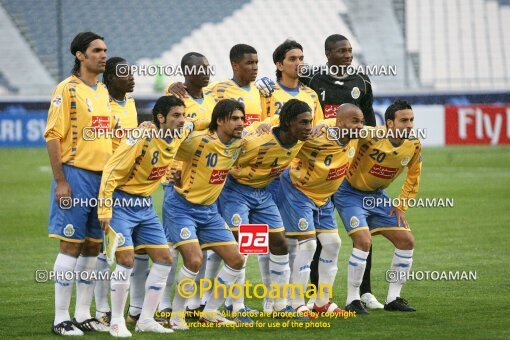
(477, 124)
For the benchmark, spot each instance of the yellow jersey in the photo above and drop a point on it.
(207, 161)
(320, 167)
(126, 115)
(249, 96)
(263, 158)
(75, 107)
(271, 106)
(378, 162)
(137, 167)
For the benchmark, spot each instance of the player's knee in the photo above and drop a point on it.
(278, 244)
(362, 243)
(407, 242)
(193, 262)
(125, 258)
(236, 262)
(91, 248)
(70, 248)
(163, 257)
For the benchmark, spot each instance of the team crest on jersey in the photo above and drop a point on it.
(302, 224)
(131, 141)
(122, 239)
(351, 151)
(185, 233)
(236, 220)
(57, 100)
(89, 104)
(235, 154)
(405, 160)
(354, 222)
(69, 230)
(355, 93)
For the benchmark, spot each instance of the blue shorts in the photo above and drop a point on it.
(137, 221)
(355, 216)
(242, 204)
(300, 214)
(80, 221)
(186, 222)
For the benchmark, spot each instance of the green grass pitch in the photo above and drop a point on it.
(471, 236)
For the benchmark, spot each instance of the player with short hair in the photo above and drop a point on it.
(377, 164)
(79, 103)
(246, 197)
(131, 175)
(200, 102)
(124, 109)
(244, 62)
(308, 211)
(334, 90)
(191, 217)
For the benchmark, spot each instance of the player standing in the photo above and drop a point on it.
(200, 102)
(377, 164)
(79, 102)
(308, 211)
(335, 88)
(131, 175)
(191, 217)
(124, 109)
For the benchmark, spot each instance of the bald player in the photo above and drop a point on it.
(365, 207)
(307, 209)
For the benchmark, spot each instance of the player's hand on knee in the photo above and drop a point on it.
(178, 89)
(265, 86)
(401, 217)
(105, 222)
(263, 128)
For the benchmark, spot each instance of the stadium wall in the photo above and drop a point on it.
(22, 123)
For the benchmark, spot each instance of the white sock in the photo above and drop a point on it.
(166, 300)
(279, 272)
(154, 286)
(292, 244)
(84, 286)
(264, 270)
(63, 288)
(102, 287)
(137, 288)
(328, 266)
(211, 271)
(119, 290)
(180, 301)
(226, 276)
(301, 270)
(401, 264)
(355, 270)
(194, 302)
(237, 302)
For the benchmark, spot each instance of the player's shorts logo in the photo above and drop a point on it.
(405, 160)
(355, 93)
(302, 224)
(57, 100)
(122, 239)
(236, 220)
(351, 152)
(354, 222)
(185, 233)
(69, 230)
